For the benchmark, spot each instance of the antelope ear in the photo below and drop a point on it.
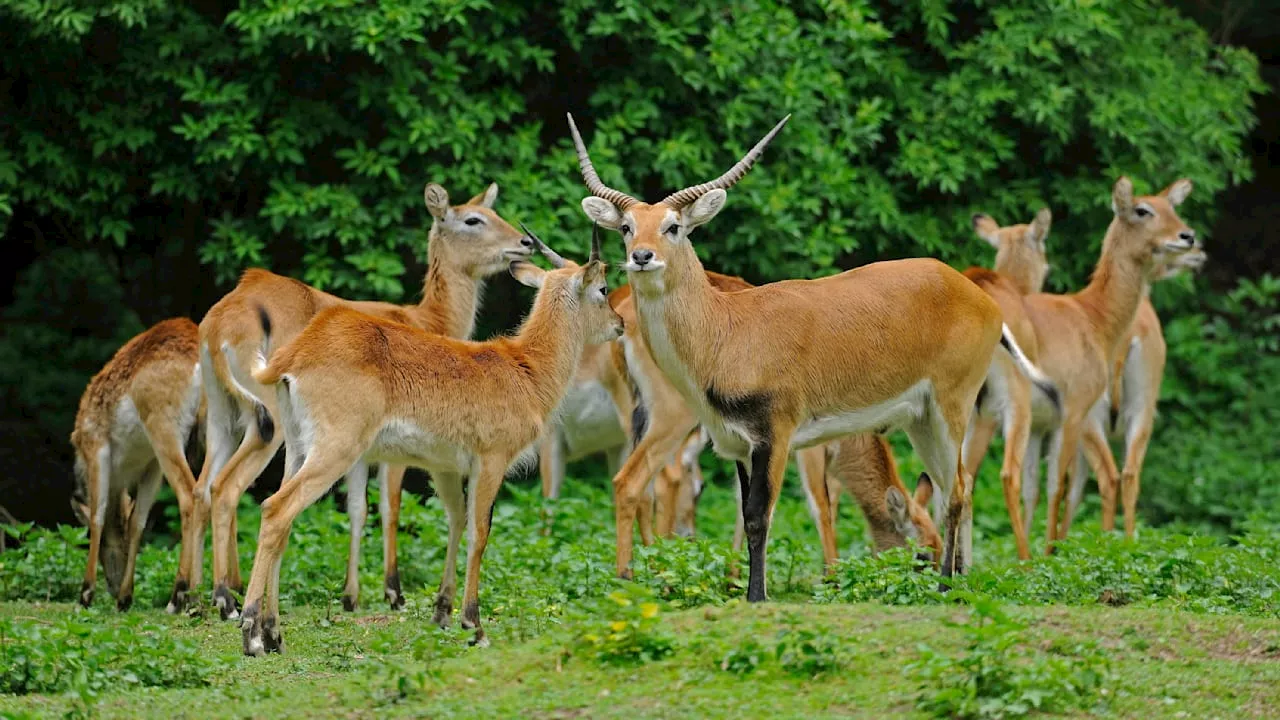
(527, 273)
(1038, 230)
(1122, 197)
(924, 489)
(602, 211)
(486, 198)
(437, 200)
(1177, 191)
(987, 229)
(896, 502)
(705, 208)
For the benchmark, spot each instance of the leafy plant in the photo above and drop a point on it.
(1000, 675)
(632, 632)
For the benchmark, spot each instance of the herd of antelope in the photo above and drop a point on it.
(647, 373)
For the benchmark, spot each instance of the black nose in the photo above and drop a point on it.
(1187, 235)
(641, 257)
(526, 241)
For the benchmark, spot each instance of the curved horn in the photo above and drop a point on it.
(551, 255)
(597, 188)
(595, 243)
(727, 180)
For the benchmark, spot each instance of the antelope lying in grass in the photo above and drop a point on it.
(797, 363)
(1020, 269)
(1128, 407)
(1080, 334)
(467, 244)
(131, 429)
(352, 388)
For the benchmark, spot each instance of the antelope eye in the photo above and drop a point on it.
(674, 229)
(1143, 212)
(625, 229)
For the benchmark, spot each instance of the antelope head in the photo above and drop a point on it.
(657, 235)
(1147, 228)
(1020, 249)
(472, 235)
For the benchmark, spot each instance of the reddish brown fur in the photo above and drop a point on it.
(1020, 268)
(155, 373)
(459, 258)
(1080, 334)
(363, 387)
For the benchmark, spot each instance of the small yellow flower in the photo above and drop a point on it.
(648, 610)
(617, 625)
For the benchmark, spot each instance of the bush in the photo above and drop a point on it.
(1000, 676)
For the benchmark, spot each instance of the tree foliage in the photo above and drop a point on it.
(298, 134)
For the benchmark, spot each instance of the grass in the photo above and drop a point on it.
(1166, 664)
(1172, 625)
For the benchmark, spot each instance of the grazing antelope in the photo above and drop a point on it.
(1080, 334)
(1128, 407)
(1020, 269)
(796, 363)
(131, 429)
(352, 388)
(863, 464)
(467, 244)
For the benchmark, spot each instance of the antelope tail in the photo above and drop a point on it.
(1038, 378)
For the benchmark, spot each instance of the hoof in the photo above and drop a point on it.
(178, 599)
(391, 591)
(124, 602)
(86, 595)
(626, 574)
(261, 634)
(226, 603)
(349, 603)
(480, 639)
(444, 612)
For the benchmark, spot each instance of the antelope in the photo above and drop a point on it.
(467, 244)
(677, 435)
(353, 388)
(863, 464)
(1020, 269)
(1080, 334)
(797, 363)
(131, 429)
(1128, 407)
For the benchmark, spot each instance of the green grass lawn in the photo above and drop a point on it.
(1172, 625)
(1165, 664)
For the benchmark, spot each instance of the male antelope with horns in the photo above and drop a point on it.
(796, 363)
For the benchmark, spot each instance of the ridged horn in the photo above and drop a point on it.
(551, 255)
(737, 172)
(597, 188)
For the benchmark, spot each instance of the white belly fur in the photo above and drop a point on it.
(589, 421)
(895, 412)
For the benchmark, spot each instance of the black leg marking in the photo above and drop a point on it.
(750, 410)
(272, 638)
(266, 426)
(755, 519)
(471, 615)
(744, 481)
(349, 603)
(178, 599)
(444, 611)
(251, 630)
(639, 420)
(124, 602)
(86, 594)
